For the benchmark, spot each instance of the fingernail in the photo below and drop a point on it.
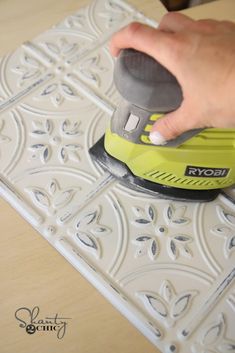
(156, 138)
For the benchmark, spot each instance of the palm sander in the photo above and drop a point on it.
(194, 166)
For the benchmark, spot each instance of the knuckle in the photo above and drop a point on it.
(167, 17)
(132, 29)
(178, 46)
(227, 25)
(206, 25)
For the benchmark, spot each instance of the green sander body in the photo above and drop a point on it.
(194, 166)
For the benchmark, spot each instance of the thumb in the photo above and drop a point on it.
(170, 126)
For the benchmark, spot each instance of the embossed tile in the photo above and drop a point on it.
(167, 266)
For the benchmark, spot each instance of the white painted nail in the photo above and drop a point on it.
(156, 138)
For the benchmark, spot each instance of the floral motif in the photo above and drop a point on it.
(58, 92)
(213, 339)
(3, 138)
(149, 244)
(88, 229)
(226, 230)
(113, 15)
(66, 151)
(53, 197)
(90, 69)
(167, 306)
(175, 216)
(75, 21)
(231, 301)
(178, 245)
(61, 47)
(29, 69)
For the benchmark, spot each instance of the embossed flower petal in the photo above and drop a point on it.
(117, 14)
(37, 125)
(69, 128)
(220, 230)
(67, 90)
(40, 197)
(53, 187)
(167, 291)
(30, 74)
(142, 221)
(143, 238)
(69, 48)
(49, 89)
(53, 48)
(87, 219)
(63, 198)
(226, 346)
(63, 155)
(48, 126)
(143, 245)
(226, 216)
(229, 246)
(153, 249)
(230, 218)
(138, 211)
(38, 132)
(72, 153)
(76, 20)
(100, 230)
(31, 61)
(4, 138)
(214, 332)
(172, 250)
(30, 69)
(169, 213)
(178, 243)
(90, 69)
(18, 69)
(176, 215)
(154, 304)
(186, 252)
(57, 99)
(45, 155)
(37, 146)
(181, 303)
(88, 242)
(90, 76)
(181, 238)
(111, 5)
(181, 221)
(150, 212)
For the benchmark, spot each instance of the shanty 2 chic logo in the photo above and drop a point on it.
(31, 322)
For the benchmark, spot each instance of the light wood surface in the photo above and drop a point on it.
(31, 271)
(219, 10)
(24, 19)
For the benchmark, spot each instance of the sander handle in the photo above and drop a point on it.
(148, 91)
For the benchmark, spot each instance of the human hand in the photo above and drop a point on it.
(201, 55)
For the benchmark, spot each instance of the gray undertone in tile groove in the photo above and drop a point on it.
(167, 266)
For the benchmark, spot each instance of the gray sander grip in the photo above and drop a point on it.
(144, 82)
(147, 87)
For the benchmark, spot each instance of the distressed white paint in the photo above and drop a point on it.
(166, 265)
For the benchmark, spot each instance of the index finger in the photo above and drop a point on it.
(156, 43)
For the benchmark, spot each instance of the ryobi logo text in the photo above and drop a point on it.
(203, 172)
